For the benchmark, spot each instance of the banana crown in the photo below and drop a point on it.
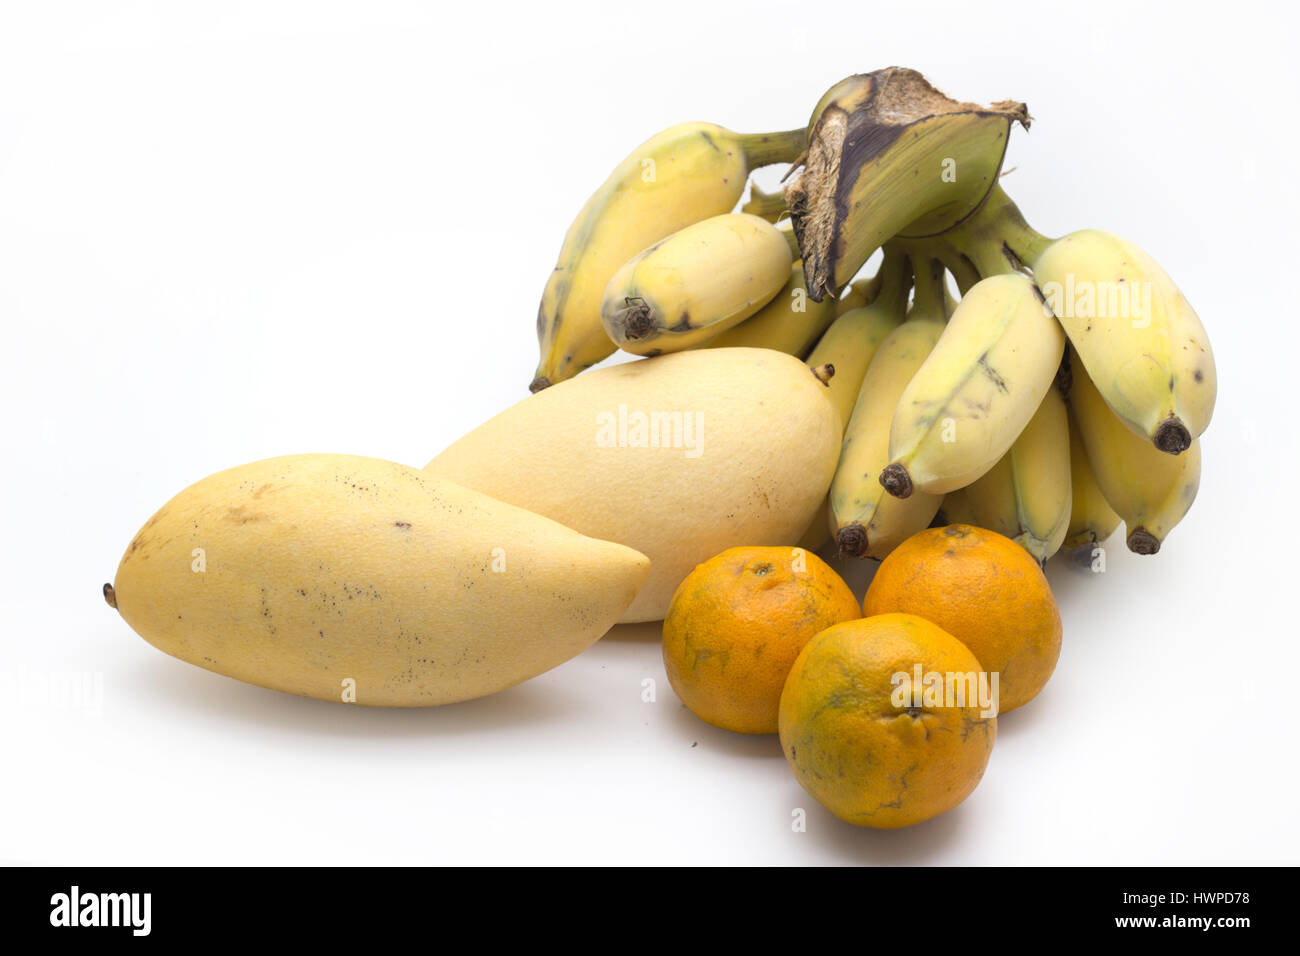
(887, 151)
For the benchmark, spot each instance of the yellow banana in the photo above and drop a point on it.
(867, 521)
(852, 339)
(888, 155)
(790, 323)
(976, 391)
(847, 347)
(1149, 489)
(1026, 495)
(1139, 339)
(686, 289)
(681, 176)
(1092, 519)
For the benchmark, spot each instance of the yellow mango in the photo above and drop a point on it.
(359, 580)
(681, 457)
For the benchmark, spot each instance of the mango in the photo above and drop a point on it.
(358, 580)
(680, 457)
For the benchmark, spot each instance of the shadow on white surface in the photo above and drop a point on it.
(713, 739)
(1027, 718)
(178, 690)
(840, 842)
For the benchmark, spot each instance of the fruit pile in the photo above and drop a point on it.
(985, 398)
(1060, 391)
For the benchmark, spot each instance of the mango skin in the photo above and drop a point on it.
(769, 439)
(316, 570)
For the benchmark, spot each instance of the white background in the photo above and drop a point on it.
(231, 231)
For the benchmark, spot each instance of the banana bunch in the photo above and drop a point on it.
(1045, 389)
(1067, 392)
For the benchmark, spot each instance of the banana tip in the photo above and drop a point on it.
(110, 596)
(896, 480)
(824, 373)
(852, 540)
(636, 318)
(1142, 541)
(1172, 436)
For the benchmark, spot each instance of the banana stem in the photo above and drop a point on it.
(996, 239)
(928, 299)
(1024, 241)
(764, 149)
(988, 256)
(770, 206)
(961, 267)
(895, 278)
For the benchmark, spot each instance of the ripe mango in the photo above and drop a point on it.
(361, 580)
(681, 457)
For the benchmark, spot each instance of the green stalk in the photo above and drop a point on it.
(770, 206)
(987, 255)
(961, 267)
(764, 149)
(1024, 241)
(894, 279)
(997, 239)
(929, 299)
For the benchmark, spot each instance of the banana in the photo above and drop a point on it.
(867, 521)
(1149, 489)
(1092, 519)
(1139, 339)
(1026, 495)
(847, 347)
(976, 391)
(888, 155)
(683, 175)
(790, 323)
(852, 339)
(697, 283)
